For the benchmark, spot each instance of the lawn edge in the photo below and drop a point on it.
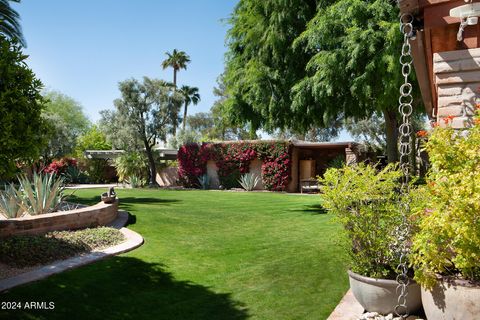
(133, 241)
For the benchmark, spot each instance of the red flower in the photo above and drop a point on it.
(422, 133)
(448, 119)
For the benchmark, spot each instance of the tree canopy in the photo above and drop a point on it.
(67, 122)
(176, 60)
(21, 125)
(190, 96)
(307, 64)
(150, 107)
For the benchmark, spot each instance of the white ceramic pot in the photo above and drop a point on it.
(380, 295)
(452, 300)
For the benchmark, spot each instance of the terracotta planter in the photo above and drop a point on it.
(452, 300)
(379, 295)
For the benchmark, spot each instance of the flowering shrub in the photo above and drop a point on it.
(233, 160)
(448, 240)
(60, 166)
(192, 163)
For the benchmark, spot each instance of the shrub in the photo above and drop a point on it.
(10, 203)
(233, 159)
(41, 195)
(131, 164)
(249, 181)
(365, 202)
(136, 182)
(448, 241)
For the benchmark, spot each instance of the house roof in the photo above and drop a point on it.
(324, 145)
(165, 154)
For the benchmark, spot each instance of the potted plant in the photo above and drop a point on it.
(446, 248)
(364, 200)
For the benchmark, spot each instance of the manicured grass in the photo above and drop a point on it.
(207, 255)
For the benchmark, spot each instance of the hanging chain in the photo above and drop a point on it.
(405, 149)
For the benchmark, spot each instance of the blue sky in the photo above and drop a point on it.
(84, 48)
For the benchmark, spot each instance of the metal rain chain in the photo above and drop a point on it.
(405, 149)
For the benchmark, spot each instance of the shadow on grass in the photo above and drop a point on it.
(123, 288)
(125, 202)
(312, 209)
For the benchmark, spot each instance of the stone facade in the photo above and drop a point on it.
(457, 79)
(97, 215)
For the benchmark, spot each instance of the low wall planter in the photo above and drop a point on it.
(452, 300)
(380, 295)
(92, 216)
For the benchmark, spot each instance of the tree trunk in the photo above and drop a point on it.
(185, 116)
(391, 131)
(152, 172)
(175, 78)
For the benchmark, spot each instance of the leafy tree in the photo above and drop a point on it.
(93, 139)
(190, 95)
(9, 22)
(297, 65)
(176, 60)
(147, 106)
(21, 125)
(370, 131)
(355, 70)
(262, 65)
(67, 121)
(119, 131)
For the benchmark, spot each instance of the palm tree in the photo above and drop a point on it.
(190, 95)
(177, 60)
(9, 22)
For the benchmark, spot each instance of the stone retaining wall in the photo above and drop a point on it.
(92, 216)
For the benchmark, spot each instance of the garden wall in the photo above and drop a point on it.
(92, 216)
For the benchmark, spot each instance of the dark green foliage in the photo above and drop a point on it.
(9, 22)
(21, 126)
(24, 251)
(262, 63)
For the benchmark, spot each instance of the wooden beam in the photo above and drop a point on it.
(422, 73)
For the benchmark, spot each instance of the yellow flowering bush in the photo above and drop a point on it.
(448, 239)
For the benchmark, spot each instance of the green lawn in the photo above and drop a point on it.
(207, 255)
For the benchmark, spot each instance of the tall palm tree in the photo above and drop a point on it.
(177, 60)
(190, 95)
(9, 22)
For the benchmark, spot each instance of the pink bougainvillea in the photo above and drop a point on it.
(233, 159)
(192, 163)
(60, 166)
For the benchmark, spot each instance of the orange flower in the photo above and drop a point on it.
(435, 124)
(448, 119)
(477, 122)
(477, 106)
(422, 133)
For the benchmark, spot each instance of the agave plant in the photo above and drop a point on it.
(10, 203)
(42, 195)
(136, 181)
(204, 181)
(249, 181)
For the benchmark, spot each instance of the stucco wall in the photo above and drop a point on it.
(92, 216)
(213, 174)
(256, 168)
(167, 177)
